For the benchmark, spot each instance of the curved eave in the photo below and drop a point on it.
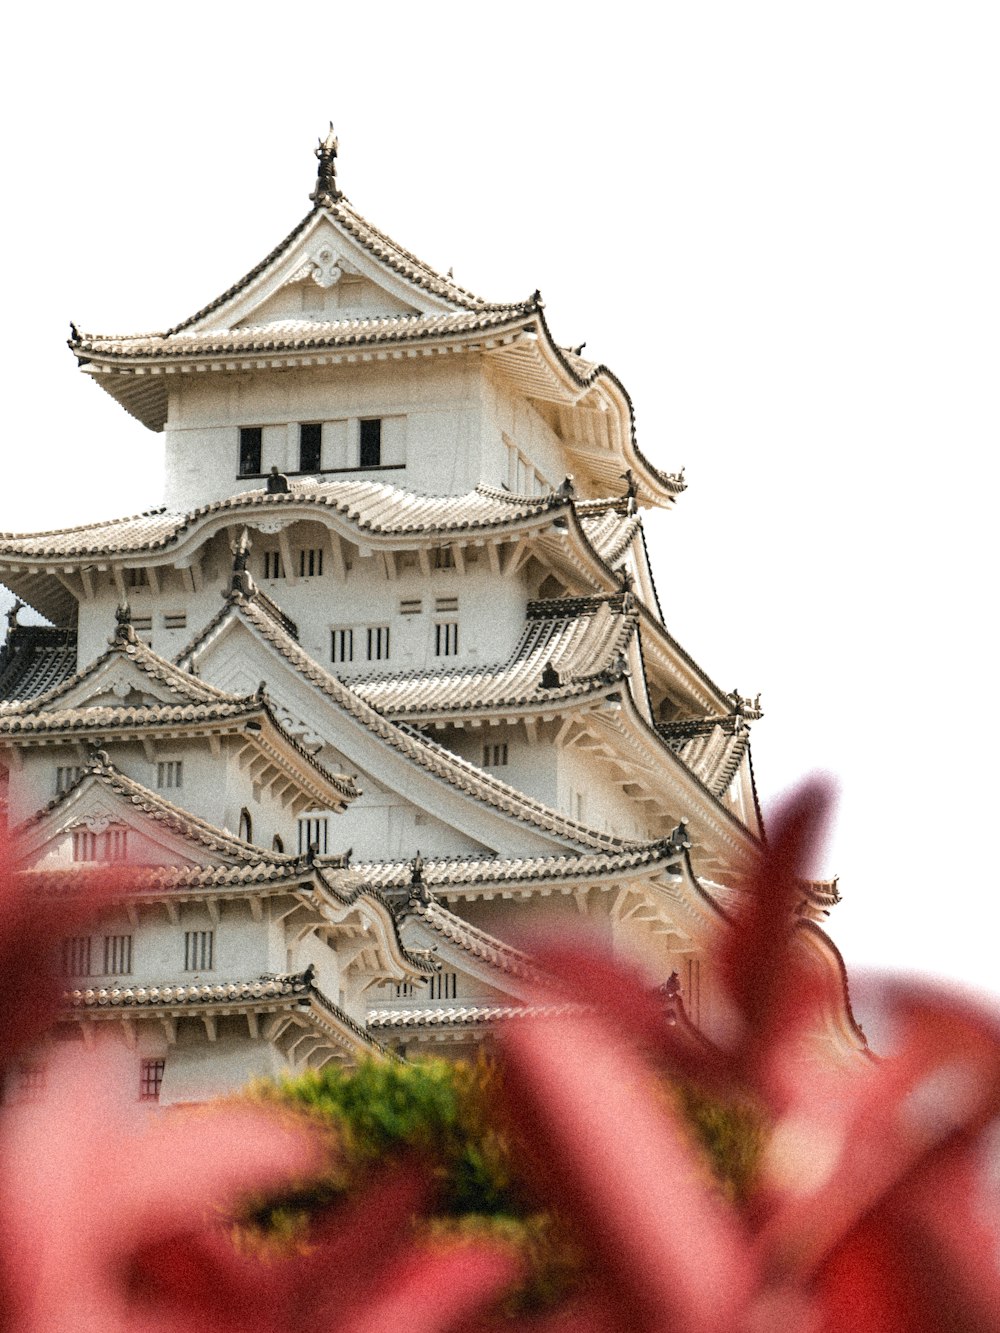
(141, 383)
(540, 368)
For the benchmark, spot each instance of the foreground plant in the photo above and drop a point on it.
(868, 1213)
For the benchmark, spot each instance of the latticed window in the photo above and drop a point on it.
(446, 638)
(170, 773)
(75, 956)
(444, 558)
(199, 950)
(273, 566)
(66, 775)
(313, 832)
(84, 845)
(444, 986)
(310, 562)
(117, 955)
(495, 755)
(175, 620)
(116, 844)
(342, 645)
(150, 1079)
(378, 642)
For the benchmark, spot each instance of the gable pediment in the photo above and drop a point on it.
(130, 676)
(114, 827)
(323, 275)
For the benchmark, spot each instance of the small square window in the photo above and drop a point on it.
(370, 436)
(310, 446)
(251, 449)
(170, 773)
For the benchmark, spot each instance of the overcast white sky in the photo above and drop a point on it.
(778, 223)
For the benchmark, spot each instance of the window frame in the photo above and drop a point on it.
(370, 442)
(315, 446)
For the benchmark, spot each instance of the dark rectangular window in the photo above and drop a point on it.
(251, 441)
(198, 950)
(150, 1079)
(310, 446)
(495, 754)
(273, 567)
(371, 442)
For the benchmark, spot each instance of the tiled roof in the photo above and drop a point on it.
(182, 684)
(292, 990)
(434, 758)
(164, 812)
(581, 638)
(454, 872)
(34, 659)
(711, 747)
(376, 243)
(301, 335)
(609, 532)
(264, 988)
(462, 1016)
(105, 719)
(477, 943)
(371, 506)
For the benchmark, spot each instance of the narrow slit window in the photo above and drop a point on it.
(273, 566)
(116, 844)
(199, 950)
(378, 643)
(370, 452)
(251, 448)
(175, 620)
(246, 825)
(446, 638)
(310, 446)
(66, 775)
(342, 646)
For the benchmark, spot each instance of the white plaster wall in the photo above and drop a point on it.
(507, 413)
(439, 399)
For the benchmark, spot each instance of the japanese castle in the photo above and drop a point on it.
(382, 684)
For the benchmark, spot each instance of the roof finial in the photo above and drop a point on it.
(241, 581)
(12, 616)
(326, 191)
(124, 631)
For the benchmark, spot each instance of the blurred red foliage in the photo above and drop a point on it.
(872, 1213)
